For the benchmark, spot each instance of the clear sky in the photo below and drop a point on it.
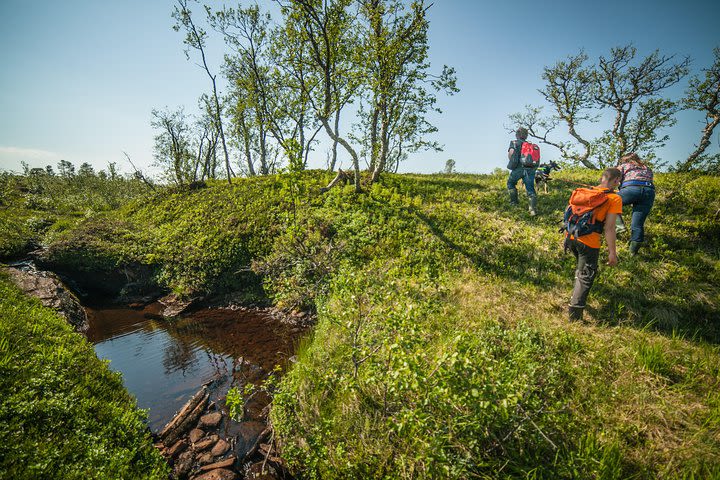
(79, 78)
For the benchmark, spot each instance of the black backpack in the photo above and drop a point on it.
(579, 216)
(514, 161)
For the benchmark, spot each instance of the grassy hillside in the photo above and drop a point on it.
(35, 206)
(63, 413)
(442, 347)
(443, 350)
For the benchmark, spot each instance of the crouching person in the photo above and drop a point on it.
(592, 211)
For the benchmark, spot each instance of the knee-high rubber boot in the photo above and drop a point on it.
(634, 248)
(620, 225)
(513, 196)
(575, 314)
(533, 206)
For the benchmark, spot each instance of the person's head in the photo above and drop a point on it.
(521, 133)
(631, 158)
(610, 178)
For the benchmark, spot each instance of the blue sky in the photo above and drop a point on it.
(79, 78)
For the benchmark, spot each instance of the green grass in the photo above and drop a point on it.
(35, 207)
(442, 348)
(63, 413)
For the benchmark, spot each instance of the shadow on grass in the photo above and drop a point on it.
(513, 269)
(433, 185)
(692, 322)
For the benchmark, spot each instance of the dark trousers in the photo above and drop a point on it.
(585, 271)
(528, 177)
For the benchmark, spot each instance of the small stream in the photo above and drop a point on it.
(163, 362)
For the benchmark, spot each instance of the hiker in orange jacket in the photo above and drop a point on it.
(586, 248)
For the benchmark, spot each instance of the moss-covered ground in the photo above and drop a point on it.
(63, 413)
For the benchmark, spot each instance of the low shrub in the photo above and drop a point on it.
(63, 413)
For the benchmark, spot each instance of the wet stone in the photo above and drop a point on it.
(218, 474)
(220, 447)
(247, 434)
(211, 420)
(195, 435)
(177, 448)
(255, 407)
(183, 464)
(174, 306)
(205, 443)
(205, 459)
(227, 463)
(52, 293)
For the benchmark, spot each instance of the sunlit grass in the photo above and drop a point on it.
(442, 348)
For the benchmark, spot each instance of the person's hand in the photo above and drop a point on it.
(612, 259)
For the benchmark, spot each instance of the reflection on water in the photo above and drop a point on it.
(163, 362)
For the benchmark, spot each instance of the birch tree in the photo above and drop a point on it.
(621, 87)
(703, 95)
(570, 90)
(401, 88)
(328, 31)
(631, 91)
(196, 38)
(172, 149)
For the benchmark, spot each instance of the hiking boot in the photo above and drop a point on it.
(513, 197)
(533, 206)
(575, 314)
(634, 248)
(620, 226)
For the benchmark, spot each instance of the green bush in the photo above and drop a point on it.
(63, 413)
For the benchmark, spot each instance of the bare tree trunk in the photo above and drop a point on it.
(373, 137)
(301, 133)
(335, 143)
(218, 113)
(309, 142)
(246, 142)
(341, 176)
(704, 144)
(139, 174)
(327, 72)
(350, 150)
(384, 142)
(263, 151)
(396, 167)
(198, 159)
(585, 157)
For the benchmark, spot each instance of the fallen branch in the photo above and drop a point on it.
(189, 413)
(139, 174)
(272, 437)
(341, 176)
(260, 439)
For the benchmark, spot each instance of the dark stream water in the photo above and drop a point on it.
(165, 361)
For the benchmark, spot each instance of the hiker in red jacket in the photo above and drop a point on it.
(519, 171)
(591, 211)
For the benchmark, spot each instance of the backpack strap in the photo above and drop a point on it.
(517, 151)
